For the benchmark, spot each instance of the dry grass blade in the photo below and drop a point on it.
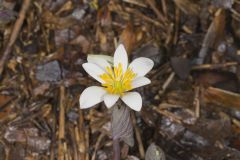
(155, 9)
(136, 2)
(188, 7)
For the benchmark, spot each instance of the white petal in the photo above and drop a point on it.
(100, 62)
(97, 59)
(91, 96)
(140, 81)
(120, 56)
(133, 100)
(110, 99)
(94, 70)
(141, 66)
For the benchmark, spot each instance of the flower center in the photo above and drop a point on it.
(117, 82)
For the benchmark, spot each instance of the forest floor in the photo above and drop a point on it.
(191, 109)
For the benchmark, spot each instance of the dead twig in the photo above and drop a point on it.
(96, 147)
(145, 18)
(72, 131)
(138, 137)
(164, 7)
(61, 133)
(87, 143)
(167, 82)
(157, 12)
(6, 148)
(214, 66)
(177, 21)
(170, 115)
(15, 32)
(81, 136)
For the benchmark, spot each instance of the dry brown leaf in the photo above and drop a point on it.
(102, 37)
(222, 97)
(54, 22)
(104, 17)
(216, 30)
(82, 41)
(63, 36)
(5, 113)
(5, 99)
(128, 38)
(12, 64)
(28, 136)
(213, 36)
(41, 89)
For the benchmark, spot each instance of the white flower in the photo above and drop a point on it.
(116, 81)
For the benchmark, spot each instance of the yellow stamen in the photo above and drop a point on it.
(117, 82)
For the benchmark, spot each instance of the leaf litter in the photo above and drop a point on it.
(190, 110)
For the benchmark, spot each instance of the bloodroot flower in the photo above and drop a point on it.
(116, 81)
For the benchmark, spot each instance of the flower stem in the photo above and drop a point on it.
(116, 149)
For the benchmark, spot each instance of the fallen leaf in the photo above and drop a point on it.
(154, 152)
(181, 67)
(222, 97)
(128, 38)
(54, 22)
(81, 41)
